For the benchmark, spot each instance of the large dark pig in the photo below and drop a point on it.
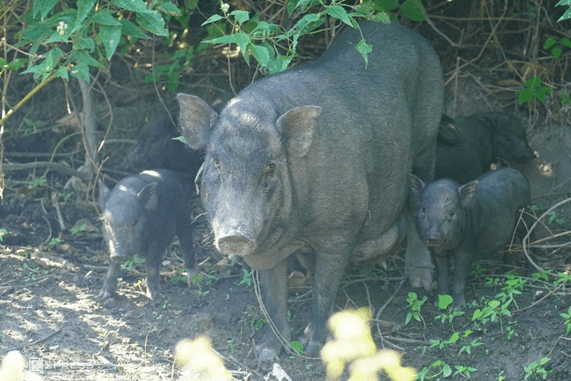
(141, 215)
(157, 148)
(477, 218)
(314, 160)
(483, 139)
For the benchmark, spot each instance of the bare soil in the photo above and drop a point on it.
(50, 278)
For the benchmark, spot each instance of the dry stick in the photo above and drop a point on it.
(58, 211)
(46, 164)
(380, 311)
(540, 300)
(527, 236)
(278, 334)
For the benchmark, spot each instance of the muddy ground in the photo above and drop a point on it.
(50, 277)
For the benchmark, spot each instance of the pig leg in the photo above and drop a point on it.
(442, 268)
(463, 260)
(329, 269)
(184, 234)
(418, 267)
(274, 288)
(153, 265)
(110, 284)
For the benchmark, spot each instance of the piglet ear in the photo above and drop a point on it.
(299, 126)
(148, 196)
(196, 118)
(468, 193)
(103, 194)
(416, 187)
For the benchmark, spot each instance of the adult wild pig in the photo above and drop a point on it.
(157, 148)
(141, 215)
(315, 160)
(483, 139)
(477, 218)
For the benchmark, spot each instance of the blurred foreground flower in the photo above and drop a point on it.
(353, 343)
(13, 366)
(199, 362)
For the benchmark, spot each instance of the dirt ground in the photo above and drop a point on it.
(50, 278)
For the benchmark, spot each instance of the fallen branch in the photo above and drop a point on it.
(46, 164)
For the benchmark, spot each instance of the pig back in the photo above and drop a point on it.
(501, 194)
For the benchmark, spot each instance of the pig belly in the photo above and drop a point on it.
(378, 247)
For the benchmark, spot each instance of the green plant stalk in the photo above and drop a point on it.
(26, 98)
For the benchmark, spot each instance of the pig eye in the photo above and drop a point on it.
(217, 163)
(452, 215)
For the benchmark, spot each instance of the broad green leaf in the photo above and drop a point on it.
(169, 8)
(132, 30)
(153, 22)
(3, 63)
(137, 6)
(364, 49)
(556, 52)
(81, 71)
(340, 13)
(297, 346)
(387, 5)
(444, 301)
(533, 81)
(566, 15)
(414, 10)
(83, 9)
(446, 371)
(307, 23)
(110, 35)
(80, 43)
(55, 37)
(17, 64)
(212, 19)
(565, 42)
(279, 64)
(62, 73)
(83, 58)
(43, 7)
(549, 43)
(294, 4)
(240, 16)
(103, 17)
(260, 53)
(381, 17)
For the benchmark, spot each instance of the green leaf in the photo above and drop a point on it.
(364, 49)
(44, 7)
(556, 52)
(446, 371)
(549, 42)
(62, 73)
(387, 5)
(414, 10)
(81, 71)
(444, 301)
(307, 23)
(566, 15)
(297, 346)
(153, 22)
(260, 53)
(340, 13)
(83, 58)
(83, 9)
(79, 43)
(103, 17)
(565, 42)
(137, 6)
(132, 30)
(169, 8)
(240, 16)
(279, 64)
(212, 19)
(110, 35)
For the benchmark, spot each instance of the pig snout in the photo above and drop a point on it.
(234, 239)
(431, 242)
(119, 258)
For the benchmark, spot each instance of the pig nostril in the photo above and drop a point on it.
(235, 244)
(119, 258)
(432, 241)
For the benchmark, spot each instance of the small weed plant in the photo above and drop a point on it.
(415, 306)
(535, 370)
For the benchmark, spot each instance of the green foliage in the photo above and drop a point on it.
(297, 346)
(536, 369)
(78, 229)
(415, 305)
(555, 47)
(567, 317)
(67, 38)
(444, 302)
(3, 232)
(132, 262)
(533, 88)
(246, 278)
(567, 14)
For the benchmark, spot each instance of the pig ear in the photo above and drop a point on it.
(416, 187)
(103, 194)
(148, 196)
(468, 193)
(299, 125)
(196, 118)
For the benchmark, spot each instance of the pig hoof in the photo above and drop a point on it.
(419, 276)
(267, 355)
(312, 349)
(104, 294)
